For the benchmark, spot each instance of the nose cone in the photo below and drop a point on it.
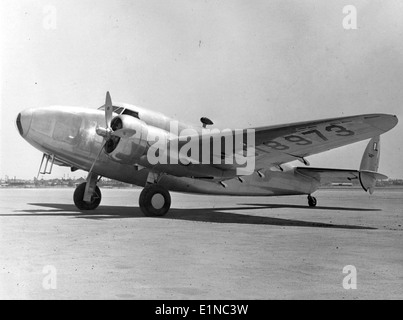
(23, 121)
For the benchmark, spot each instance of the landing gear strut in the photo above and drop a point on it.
(312, 201)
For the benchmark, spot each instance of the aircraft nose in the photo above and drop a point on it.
(23, 121)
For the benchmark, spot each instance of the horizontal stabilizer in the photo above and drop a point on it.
(368, 179)
(326, 175)
(375, 175)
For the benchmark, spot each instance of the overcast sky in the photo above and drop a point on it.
(240, 63)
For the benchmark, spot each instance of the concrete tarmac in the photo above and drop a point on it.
(205, 248)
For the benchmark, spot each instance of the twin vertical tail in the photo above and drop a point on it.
(369, 165)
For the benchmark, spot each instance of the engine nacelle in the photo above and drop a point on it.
(127, 150)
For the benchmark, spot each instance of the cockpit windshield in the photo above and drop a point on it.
(117, 110)
(121, 110)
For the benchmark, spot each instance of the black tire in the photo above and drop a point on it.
(312, 201)
(154, 201)
(83, 205)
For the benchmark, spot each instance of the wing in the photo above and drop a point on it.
(284, 143)
(279, 144)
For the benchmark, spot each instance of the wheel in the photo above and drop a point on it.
(154, 201)
(84, 205)
(312, 201)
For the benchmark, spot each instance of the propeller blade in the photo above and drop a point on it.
(124, 133)
(108, 110)
(99, 153)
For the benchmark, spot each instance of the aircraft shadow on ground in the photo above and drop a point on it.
(213, 215)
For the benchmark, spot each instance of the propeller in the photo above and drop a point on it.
(108, 133)
(108, 110)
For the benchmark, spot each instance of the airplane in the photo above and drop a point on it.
(115, 141)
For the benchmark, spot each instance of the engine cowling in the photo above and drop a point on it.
(127, 150)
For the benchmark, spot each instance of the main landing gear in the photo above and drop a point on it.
(154, 200)
(312, 201)
(87, 195)
(95, 198)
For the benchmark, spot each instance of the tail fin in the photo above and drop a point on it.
(369, 165)
(370, 158)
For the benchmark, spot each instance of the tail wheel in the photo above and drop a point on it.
(84, 205)
(154, 201)
(312, 201)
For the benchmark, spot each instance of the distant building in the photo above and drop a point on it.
(342, 184)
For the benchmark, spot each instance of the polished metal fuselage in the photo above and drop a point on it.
(69, 133)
